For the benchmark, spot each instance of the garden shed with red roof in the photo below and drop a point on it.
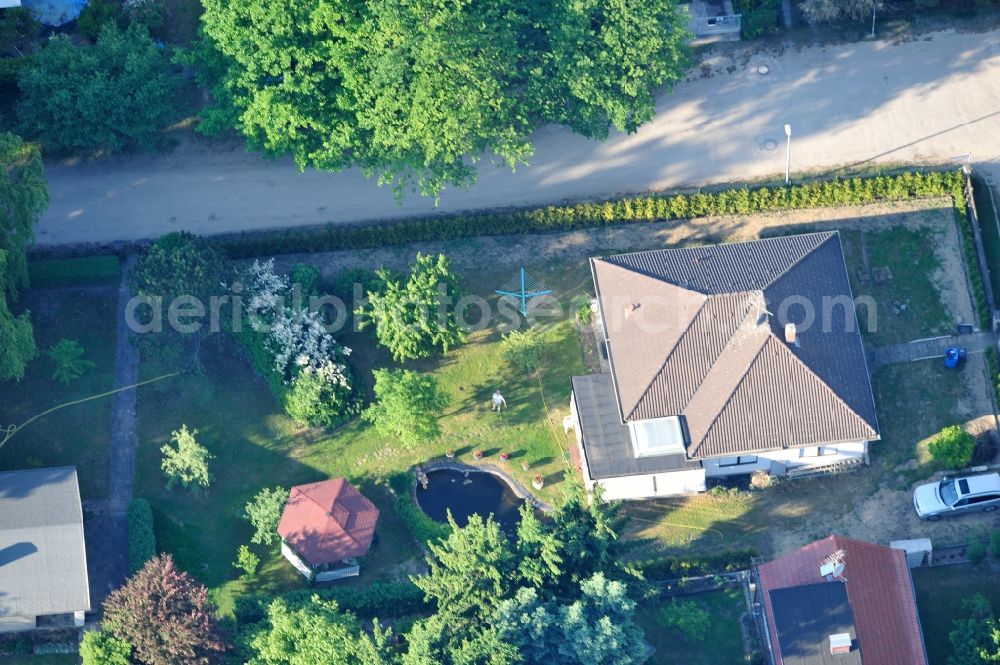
(325, 527)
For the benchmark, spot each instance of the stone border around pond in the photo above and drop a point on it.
(519, 490)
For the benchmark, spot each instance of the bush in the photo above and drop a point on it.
(378, 599)
(318, 402)
(246, 561)
(308, 279)
(975, 549)
(952, 447)
(687, 617)
(141, 538)
(522, 349)
(585, 313)
(420, 526)
(670, 567)
(995, 544)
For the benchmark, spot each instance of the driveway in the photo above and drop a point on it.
(922, 100)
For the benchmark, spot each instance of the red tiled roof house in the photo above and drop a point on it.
(325, 527)
(841, 602)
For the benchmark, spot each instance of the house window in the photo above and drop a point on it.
(737, 461)
(660, 436)
(812, 451)
(827, 450)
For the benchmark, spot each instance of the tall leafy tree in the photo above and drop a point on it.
(415, 319)
(165, 615)
(316, 631)
(408, 406)
(24, 196)
(597, 627)
(117, 94)
(415, 92)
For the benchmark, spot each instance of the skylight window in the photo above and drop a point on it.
(662, 436)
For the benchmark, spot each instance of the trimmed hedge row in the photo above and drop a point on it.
(971, 256)
(141, 540)
(81, 270)
(671, 567)
(378, 599)
(651, 208)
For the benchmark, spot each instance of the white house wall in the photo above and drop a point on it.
(791, 458)
(674, 483)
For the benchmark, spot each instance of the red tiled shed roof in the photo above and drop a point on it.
(879, 588)
(328, 521)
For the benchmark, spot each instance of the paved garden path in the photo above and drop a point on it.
(123, 437)
(934, 347)
(106, 522)
(930, 98)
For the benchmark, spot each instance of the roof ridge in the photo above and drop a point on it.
(824, 384)
(736, 386)
(670, 355)
(788, 268)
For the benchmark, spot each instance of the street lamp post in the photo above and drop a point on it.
(788, 154)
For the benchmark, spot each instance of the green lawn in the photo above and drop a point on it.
(940, 592)
(898, 276)
(256, 446)
(723, 647)
(79, 434)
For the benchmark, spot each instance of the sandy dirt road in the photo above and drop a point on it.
(921, 100)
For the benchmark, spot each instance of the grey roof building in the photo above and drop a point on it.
(43, 562)
(724, 351)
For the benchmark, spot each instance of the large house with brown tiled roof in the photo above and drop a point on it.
(840, 602)
(724, 360)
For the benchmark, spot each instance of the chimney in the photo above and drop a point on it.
(790, 334)
(840, 643)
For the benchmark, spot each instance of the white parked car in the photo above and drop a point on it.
(958, 495)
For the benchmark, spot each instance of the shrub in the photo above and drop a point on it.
(995, 544)
(246, 561)
(952, 447)
(522, 349)
(378, 599)
(264, 512)
(585, 313)
(102, 648)
(975, 549)
(688, 618)
(409, 406)
(141, 537)
(418, 523)
(674, 566)
(318, 402)
(307, 277)
(68, 361)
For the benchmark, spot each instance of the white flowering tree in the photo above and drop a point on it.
(310, 362)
